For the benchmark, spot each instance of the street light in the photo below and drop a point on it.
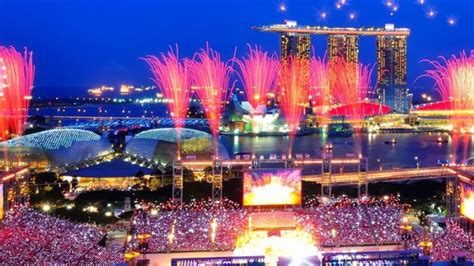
(417, 162)
(380, 164)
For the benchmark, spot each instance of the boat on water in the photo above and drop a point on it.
(340, 130)
(347, 142)
(440, 140)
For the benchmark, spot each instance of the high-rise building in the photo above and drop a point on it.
(392, 87)
(345, 46)
(392, 72)
(295, 45)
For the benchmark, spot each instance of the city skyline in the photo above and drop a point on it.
(236, 132)
(64, 48)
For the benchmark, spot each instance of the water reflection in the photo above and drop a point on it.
(425, 147)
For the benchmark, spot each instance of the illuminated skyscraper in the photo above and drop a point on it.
(346, 46)
(392, 72)
(295, 45)
(392, 87)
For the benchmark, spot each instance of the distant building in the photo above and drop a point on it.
(13, 189)
(345, 46)
(392, 72)
(295, 45)
(392, 87)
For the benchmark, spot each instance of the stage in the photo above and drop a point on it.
(164, 259)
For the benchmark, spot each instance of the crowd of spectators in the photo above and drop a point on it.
(451, 242)
(31, 237)
(338, 222)
(189, 227)
(352, 222)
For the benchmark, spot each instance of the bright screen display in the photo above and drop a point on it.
(272, 187)
(467, 200)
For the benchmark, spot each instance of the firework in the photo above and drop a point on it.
(16, 84)
(431, 13)
(350, 85)
(294, 92)
(451, 21)
(258, 73)
(319, 85)
(349, 82)
(339, 82)
(454, 81)
(210, 81)
(171, 76)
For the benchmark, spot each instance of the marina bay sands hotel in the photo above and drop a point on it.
(391, 44)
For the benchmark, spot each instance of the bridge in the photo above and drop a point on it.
(396, 175)
(326, 177)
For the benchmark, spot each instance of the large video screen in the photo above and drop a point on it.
(272, 187)
(467, 200)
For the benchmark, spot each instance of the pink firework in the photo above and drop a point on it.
(319, 84)
(16, 83)
(454, 80)
(350, 84)
(294, 92)
(258, 74)
(210, 77)
(171, 76)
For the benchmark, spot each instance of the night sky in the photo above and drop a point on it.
(80, 44)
